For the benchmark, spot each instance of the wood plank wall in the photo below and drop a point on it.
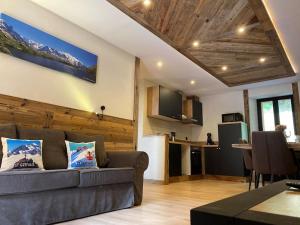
(118, 133)
(247, 112)
(296, 106)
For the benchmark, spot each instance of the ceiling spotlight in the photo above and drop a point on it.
(262, 59)
(147, 3)
(224, 68)
(241, 30)
(192, 82)
(196, 44)
(159, 64)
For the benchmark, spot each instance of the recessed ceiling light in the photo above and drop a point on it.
(241, 30)
(196, 44)
(159, 64)
(262, 59)
(224, 68)
(147, 3)
(192, 82)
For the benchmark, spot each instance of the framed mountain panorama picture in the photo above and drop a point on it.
(28, 43)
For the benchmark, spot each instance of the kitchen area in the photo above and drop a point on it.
(170, 124)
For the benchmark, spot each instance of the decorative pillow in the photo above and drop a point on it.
(81, 155)
(21, 154)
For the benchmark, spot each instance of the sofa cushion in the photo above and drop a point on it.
(103, 176)
(54, 147)
(7, 131)
(13, 182)
(21, 154)
(81, 155)
(101, 157)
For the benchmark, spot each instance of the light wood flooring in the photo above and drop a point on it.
(167, 204)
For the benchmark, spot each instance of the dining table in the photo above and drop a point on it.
(295, 146)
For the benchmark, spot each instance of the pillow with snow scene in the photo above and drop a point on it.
(81, 155)
(21, 154)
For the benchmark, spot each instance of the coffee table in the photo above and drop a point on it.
(272, 205)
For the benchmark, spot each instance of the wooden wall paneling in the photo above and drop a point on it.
(136, 101)
(117, 132)
(296, 107)
(166, 175)
(153, 101)
(247, 112)
(214, 24)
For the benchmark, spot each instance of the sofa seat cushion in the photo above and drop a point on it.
(104, 176)
(20, 181)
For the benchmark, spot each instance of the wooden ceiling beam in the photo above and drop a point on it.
(215, 23)
(264, 18)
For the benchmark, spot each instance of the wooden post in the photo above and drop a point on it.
(136, 101)
(166, 175)
(296, 107)
(247, 112)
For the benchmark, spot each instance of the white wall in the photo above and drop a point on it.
(213, 108)
(115, 77)
(154, 146)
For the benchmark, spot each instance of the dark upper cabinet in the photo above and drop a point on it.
(170, 103)
(164, 103)
(193, 111)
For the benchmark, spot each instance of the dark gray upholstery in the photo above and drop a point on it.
(99, 148)
(139, 161)
(8, 131)
(54, 147)
(51, 196)
(51, 207)
(104, 176)
(271, 154)
(15, 182)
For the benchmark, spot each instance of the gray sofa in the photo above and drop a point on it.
(56, 194)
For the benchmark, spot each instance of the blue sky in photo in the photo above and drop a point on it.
(31, 33)
(12, 144)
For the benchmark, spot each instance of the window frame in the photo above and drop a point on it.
(275, 109)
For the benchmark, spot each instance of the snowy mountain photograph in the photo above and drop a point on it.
(28, 43)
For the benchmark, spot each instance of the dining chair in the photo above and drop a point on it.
(260, 155)
(247, 156)
(271, 155)
(282, 159)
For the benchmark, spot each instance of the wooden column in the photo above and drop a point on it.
(296, 107)
(166, 175)
(136, 101)
(246, 110)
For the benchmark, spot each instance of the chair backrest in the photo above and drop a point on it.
(281, 157)
(260, 153)
(271, 154)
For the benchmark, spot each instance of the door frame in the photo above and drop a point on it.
(275, 109)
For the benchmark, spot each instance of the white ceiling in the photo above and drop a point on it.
(104, 20)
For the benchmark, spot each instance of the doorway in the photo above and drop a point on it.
(276, 111)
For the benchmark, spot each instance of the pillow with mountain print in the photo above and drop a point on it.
(21, 154)
(81, 155)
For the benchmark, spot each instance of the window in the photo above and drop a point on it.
(275, 111)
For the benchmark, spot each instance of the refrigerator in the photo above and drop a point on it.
(227, 161)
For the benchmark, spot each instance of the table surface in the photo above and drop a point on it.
(292, 145)
(287, 203)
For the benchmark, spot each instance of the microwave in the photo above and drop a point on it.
(232, 117)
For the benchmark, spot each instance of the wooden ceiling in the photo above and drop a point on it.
(215, 25)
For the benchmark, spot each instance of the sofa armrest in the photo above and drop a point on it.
(136, 159)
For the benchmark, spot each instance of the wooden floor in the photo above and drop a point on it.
(167, 204)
